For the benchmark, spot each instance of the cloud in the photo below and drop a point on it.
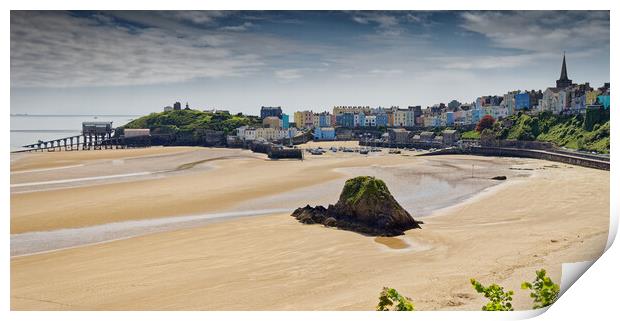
(541, 31)
(55, 49)
(386, 72)
(288, 74)
(490, 62)
(387, 24)
(241, 27)
(196, 17)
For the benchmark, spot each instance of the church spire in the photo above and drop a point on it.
(563, 82)
(563, 74)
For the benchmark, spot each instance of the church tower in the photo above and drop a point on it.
(563, 82)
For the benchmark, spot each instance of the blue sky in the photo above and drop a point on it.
(136, 62)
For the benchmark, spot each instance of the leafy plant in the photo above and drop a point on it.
(544, 291)
(391, 300)
(499, 300)
(485, 123)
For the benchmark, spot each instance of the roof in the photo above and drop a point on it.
(399, 130)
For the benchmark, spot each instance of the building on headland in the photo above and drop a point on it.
(167, 108)
(267, 111)
(177, 106)
(217, 111)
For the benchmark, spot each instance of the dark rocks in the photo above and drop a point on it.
(499, 178)
(365, 206)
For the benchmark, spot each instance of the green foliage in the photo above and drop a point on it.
(568, 131)
(544, 291)
(498, 299)
(191, 121)
(391, 300)
(472, 134)
(485, 123)
(363, 187)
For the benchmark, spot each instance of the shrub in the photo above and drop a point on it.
(391, 300)
(498, 299)
(544, 291)
(485, 123)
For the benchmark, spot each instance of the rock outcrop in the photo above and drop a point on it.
(365, 206)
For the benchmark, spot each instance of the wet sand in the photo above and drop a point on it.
(541, 218)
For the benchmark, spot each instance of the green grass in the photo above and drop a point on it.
(472, 134)
(566, 131)
(176, 121)
(363, 187)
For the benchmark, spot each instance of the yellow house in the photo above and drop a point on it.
(298, 118)
(591, 97)
(303, 119)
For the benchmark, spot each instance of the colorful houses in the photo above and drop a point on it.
(565, 98)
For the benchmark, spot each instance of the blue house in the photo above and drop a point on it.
(324, 133)
(522, 101)
(604, 100)
(346, 120)
(382, 120)
(449, 118)
(476, 115)
(284, 121)
(324, 120)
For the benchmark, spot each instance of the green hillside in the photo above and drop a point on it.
(184, 121)
(581, 132)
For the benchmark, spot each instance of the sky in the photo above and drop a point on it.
(137, 62)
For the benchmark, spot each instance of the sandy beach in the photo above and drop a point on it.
(544, 215)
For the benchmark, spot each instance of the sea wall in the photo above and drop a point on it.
(567, 158)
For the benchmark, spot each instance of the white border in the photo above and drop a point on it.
(592, 296)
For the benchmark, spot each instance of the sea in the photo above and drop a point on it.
(28, 129)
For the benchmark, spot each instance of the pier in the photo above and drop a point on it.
(95, 136)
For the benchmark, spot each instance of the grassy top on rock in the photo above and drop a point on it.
(363, 187)
(175, 121)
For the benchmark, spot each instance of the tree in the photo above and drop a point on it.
(454, 105)
(544, 291)
(391, 300)
(485, 123)
(498, 299)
